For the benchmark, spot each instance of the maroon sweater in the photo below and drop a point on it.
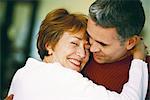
(112, 75)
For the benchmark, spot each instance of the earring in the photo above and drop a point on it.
(50, 52)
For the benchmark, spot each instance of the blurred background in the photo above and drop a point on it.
(19, 24)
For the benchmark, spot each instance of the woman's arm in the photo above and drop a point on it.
(137, 83)
(136, 87)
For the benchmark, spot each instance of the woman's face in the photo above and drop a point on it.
(72, 51)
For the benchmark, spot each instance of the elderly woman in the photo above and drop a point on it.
(63, 47)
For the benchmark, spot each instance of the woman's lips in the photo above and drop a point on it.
(76, 62)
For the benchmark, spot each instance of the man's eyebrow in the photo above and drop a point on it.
(99, 41)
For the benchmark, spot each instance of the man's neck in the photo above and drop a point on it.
(126, 55)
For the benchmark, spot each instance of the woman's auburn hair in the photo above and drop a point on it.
(55, 24)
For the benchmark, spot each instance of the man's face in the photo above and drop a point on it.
(105, 44)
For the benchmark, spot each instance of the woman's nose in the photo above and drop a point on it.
(81, 52)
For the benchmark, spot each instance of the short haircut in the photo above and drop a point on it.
(127, 16)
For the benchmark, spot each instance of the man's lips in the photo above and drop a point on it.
(98, 55)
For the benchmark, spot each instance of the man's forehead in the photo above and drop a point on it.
(103, 38)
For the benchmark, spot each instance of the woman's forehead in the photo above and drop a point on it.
(81, 35)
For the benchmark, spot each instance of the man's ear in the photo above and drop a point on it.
(49, 48)
(131, 42)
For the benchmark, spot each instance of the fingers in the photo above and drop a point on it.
(139, 52)
(10, 97)
(145, 46)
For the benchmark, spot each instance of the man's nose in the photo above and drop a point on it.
(94, 48)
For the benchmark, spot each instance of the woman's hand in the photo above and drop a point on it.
(10, 97)
(139, 51)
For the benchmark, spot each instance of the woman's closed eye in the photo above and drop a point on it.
(74, 43)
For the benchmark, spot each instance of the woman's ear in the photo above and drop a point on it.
(49, 48)
(131, 42)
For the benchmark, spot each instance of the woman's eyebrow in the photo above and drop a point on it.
(79, 38)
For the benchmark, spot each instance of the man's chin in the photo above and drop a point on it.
(103, 61)
(100, 61)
